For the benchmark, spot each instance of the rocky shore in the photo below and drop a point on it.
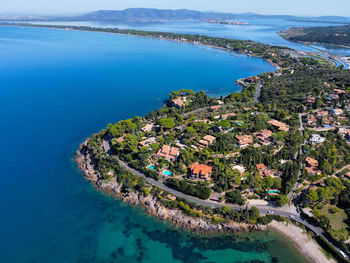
(151, 205)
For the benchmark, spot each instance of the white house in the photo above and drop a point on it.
(316, 138)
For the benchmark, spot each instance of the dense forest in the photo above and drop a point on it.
(337, 35)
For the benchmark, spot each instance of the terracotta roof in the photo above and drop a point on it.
(264, 134)
(178, 102)
(121, 138)
(201, 169)
(311, 162)
(280, 125)
(168, 152)
(244, 139)
(262, 169)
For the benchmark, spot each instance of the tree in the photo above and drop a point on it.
(312, 196)
(254, 213)
(282, 200)
(167, 123)
(234, 197)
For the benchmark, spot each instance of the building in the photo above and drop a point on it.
(311, 120)
(147, 142)
(177, 103)
(312, 166)
(337, 111)
(244, 140)
(339, 91)
(333, 97)
(322, 113)
(264, 136)
(225, 116)
(262, 170)
(169, 153)
(121, 138)
(279, 125)
(316, 138)
(147, 128)
(201, 171)
(206, 141)
(239, 168)
(180, 127)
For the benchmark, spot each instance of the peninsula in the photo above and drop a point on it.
(331, 35)
(278, 150)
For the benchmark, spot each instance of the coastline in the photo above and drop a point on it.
(309, 248)
(152, 206)
(306, 245)
(71, 28)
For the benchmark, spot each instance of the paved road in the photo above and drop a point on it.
(258, 92)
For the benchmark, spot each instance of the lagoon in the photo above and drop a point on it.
(57, 88)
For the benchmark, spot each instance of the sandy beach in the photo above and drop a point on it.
(305, 244)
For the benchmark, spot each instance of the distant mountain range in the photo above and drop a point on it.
(150, 14)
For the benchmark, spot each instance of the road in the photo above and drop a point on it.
(258, 92)
(288, 211)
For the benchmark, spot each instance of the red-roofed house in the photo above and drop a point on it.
(206, 141)
(201, 171)
(244, 140)
(279, 125)
(312, 166)
(262, 169)
(264, 136)
(178, 103)
(321, 113)
(169, 153)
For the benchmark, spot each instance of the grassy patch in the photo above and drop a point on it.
(336, 219)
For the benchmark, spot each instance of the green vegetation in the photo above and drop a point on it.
(336, 35)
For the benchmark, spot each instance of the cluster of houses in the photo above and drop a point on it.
(327, 119)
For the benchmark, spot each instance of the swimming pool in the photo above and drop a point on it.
(239, 123)
(273, 191)
(167, 173)
(151, 167)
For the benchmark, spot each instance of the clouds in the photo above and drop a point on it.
(295, 7)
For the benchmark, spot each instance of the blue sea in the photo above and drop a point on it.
(263, 30)
(59, 87)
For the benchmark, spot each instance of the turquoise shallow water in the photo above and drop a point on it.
(57, 88)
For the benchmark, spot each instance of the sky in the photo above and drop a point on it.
(292, 7)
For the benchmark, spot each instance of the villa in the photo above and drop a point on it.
(312, 166)
(177, 103)
(316, 138)
(147, 142)
(264, 136)
(121, 138)
(311, 120)
(148, 127)
(225, 116)
(337, 112)
(169, 153)
(244, 140)
(206, 141)
(262, 170)
(322, 113)
(201, 171)
(279, 125)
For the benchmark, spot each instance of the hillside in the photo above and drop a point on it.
(336, 35)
